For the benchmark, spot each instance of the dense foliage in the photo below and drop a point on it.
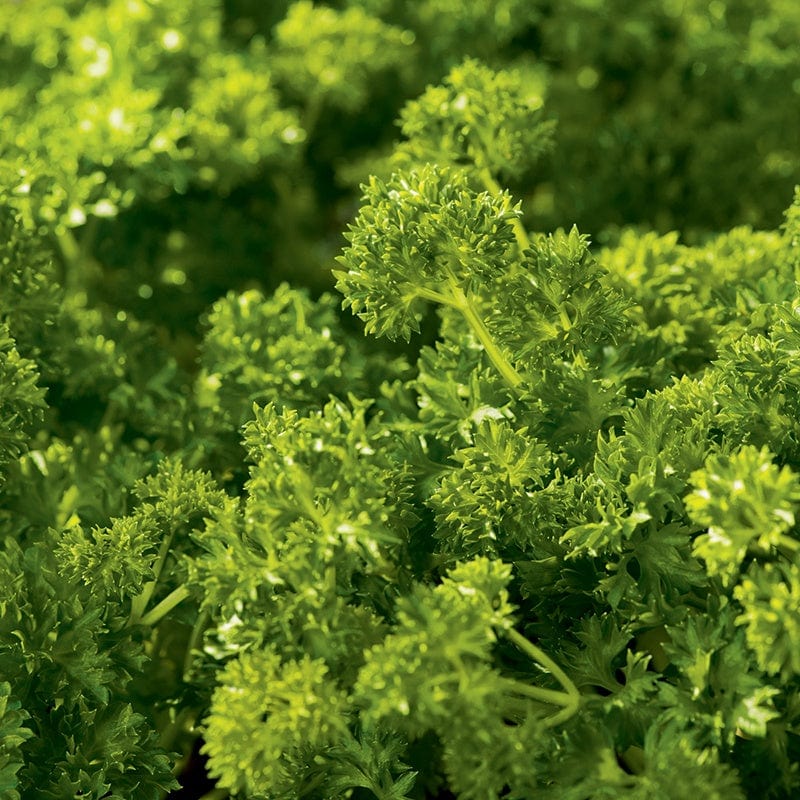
(534, 535)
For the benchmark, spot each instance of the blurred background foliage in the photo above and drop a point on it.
(157, 155)
(172, 151)
(176, 176)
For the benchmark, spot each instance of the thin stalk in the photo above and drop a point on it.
(108, 416)
(561, 716)
(433, 296)
(501, 363)
(163, 552)
(301, 315)
(139, 603)
(78, 261)
(538, 655)
(194, 636)
(552, 696)
(458, 300)
(570, 699)
(70, 250)
(494, 189)
(163, 608)
(170, 734)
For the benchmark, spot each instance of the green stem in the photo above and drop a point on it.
(175, 728)
(458, 300)
(571, 699)
(108, 416)
(70, 249)
(194, 636)
(561, 716)
(494, 189)
(551, 696)
(433, 296)
(538, 655)
(70, 254)
(501, 363)
(139, 603)
(163, 608)
(301, 315)
(78, 261)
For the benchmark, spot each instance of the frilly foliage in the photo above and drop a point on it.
(489, 122)
(546, 545)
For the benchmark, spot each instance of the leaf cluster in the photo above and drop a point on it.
(551, 551)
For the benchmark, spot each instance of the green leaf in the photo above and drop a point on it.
(12, 735)
(268, 720)
(744, 501)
